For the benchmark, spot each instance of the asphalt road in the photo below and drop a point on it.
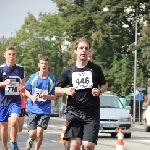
(139, 140)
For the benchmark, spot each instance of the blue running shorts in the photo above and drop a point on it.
(5, 111)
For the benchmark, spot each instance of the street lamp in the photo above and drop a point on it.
(106, 9)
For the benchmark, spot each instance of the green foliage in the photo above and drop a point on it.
(112, 43)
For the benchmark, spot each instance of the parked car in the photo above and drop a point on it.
(146, 120)
(114, 115)
(54, 111)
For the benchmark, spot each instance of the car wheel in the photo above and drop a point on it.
(113, 135)
(146, 128)
(128, 135)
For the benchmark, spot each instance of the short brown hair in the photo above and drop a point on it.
(44, 58)
(82, 40)
(10, 48)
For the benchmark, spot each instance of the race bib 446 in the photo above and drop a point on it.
(82, 80)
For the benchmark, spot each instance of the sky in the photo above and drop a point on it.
(14, 12)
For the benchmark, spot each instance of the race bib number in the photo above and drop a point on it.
(82, 80)
(39, 92)
(13, 88)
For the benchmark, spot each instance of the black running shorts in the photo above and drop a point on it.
(23, 112)
(87, 129)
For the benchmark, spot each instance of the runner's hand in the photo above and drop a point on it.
(22, 89)
(44, 96)
(70, 91)
(33, 98)
(95, 92)
(7, 82)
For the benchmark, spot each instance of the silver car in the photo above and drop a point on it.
(114, 115)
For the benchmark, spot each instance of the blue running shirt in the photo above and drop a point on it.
(10, 93)
(36, 85)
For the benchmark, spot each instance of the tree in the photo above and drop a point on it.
(112, 36)
(107, 33)
(34, 39)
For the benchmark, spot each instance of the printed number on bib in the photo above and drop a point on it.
(82, 80)
(13, 88)
(38, 93)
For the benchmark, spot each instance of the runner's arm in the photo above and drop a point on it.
(28, 94)
(2, 84)
(51, 97)
(103, 88)
(60, 91)
(62, 83)
(6, 82)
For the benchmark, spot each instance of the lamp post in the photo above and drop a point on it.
(106, 9)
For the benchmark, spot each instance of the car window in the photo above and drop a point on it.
(110, 102)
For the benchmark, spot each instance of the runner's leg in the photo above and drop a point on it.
(21, 123)
(39, 138)
(14, 126)
(21, 120)
(74, 131)
(4, 113)
(91, 130)
(32, 126)
(42, 125)
(4, 134)
(14, 111)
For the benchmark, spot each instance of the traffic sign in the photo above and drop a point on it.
(139, 96)
(141, 88)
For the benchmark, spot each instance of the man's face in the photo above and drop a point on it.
(82, 51)
(10, 56)
(43, 65)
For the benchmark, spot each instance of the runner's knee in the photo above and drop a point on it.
(4, 127)
(32, 133)
(88, 145)
(14, 123)
(75, 143)
(40, 131)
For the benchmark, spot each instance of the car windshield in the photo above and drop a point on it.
(110, 101)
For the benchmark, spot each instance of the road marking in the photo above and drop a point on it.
(145, 140)
(49, 126)
(54, 132)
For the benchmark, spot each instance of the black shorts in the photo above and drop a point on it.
(87, 129)
(35, 120)
(22, 114)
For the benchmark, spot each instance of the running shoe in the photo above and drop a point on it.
(29, 144)
(14, 145)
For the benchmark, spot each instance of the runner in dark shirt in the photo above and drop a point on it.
(83, 105)
(11, 81)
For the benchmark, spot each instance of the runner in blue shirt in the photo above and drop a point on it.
(11, 78)
(40, 91)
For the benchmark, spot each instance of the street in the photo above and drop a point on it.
(139, 140)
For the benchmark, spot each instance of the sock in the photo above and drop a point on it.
(12, 142)
(31, 139)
